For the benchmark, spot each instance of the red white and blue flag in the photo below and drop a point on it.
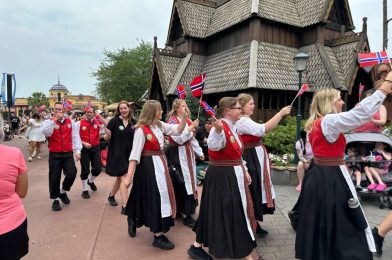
(172, 120)
(207, 108)
(303, 89)
(88, 105)
(67, 104)
(197, 85)
(181, 92)
(360, 89)
(372, 58)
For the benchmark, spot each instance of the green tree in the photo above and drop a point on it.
(37, 99)
(124, 74)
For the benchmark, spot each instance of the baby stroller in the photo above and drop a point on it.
(366, 142)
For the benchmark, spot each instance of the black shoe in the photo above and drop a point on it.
(64, 198)
(163, 242)
(198, 253)
(112, 201)
(260, 231)
(189, 221)
(378, 240)
(92, 185)
(123, 210)
(131, 228)
(358, 188)
(56, 205)
(85, 194)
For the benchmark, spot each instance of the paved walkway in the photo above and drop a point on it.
(92, 229)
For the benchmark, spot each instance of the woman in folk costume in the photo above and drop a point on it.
(256, 157)
(327, 226)
(181, 155)
(226, 221)
(152, 200)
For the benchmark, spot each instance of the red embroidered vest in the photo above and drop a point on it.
(152, 143)
(321, 147)
(61, 139)
(89, 132)
(232, 150)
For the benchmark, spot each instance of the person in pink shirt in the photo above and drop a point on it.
(14, 240)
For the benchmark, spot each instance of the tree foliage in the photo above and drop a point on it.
(37, 99)
(281, 140)
(124, 74)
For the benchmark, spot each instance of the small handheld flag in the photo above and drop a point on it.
(372, 58)
(300, 92)
(197, 85)
(207, 108)
(181, 92)
(67, 104)
(88, 105)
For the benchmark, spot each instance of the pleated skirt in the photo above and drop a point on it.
(326, 229)
(222, 225)
(144, 202)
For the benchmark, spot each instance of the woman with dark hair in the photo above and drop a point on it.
(35, 136)
(226, 222)
(14, 240)
(119, 135)
(305, 155)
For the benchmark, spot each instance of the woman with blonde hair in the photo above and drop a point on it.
(328, 228)
(119, 134)
(181, 156)
(152, 200)
(256, 157)
(226, 222)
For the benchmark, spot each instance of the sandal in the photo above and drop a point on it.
(381, 187)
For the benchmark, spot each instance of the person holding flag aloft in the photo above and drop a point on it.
(89, 129)
(256, 156)
(64, 142)
(181, 156)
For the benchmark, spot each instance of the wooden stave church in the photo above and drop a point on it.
(248, 46)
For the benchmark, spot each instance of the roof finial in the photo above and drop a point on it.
(364, 25)
(155, 42)
(58, 78)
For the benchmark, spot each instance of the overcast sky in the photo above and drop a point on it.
(41, 38)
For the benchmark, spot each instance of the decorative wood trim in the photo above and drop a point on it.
(255, 7)
(181, 71)
(330, 68)
(254, 47)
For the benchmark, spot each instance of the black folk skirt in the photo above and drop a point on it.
(144, 202)
(222, 224)
(325, 228)
(186, 204)
(256, 171)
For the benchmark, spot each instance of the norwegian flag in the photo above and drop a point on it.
(67, 104)
(88, 105)
(303, 89)
(181, 92)
(372, 58)
(360, 89)
(207, 108)
(172, 121)
(197, 85)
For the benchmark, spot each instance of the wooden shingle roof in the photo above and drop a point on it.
(200, 20)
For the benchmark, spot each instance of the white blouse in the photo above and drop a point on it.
(188, 136)
(333, 125)
(139, 139)
(246, 126)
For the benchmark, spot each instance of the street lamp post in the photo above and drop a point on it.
(300, 61)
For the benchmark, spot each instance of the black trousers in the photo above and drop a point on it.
(15, 244)
(61, 162)
(93, 156)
